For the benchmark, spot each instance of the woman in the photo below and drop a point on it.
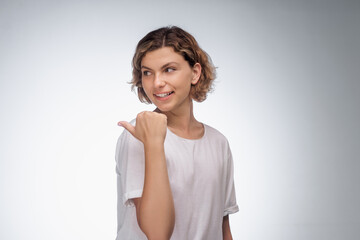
(175, 174)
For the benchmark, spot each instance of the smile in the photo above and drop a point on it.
(162, 95)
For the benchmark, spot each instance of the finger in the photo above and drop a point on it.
(128, 127)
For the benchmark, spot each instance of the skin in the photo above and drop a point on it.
(226, 228)
(164, 71)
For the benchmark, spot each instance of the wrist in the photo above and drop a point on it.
(154, 144)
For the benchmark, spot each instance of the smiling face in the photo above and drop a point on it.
(167, 79)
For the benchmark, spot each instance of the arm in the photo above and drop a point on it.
(230, 196)
(155, 209)
(226, 228)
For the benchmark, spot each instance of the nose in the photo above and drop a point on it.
(159, 81)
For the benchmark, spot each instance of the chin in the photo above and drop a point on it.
(164, 108)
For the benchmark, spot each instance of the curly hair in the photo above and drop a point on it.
(182, 42)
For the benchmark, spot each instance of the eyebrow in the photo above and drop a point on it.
(164, 66)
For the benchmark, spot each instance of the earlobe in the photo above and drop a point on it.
(196, 73)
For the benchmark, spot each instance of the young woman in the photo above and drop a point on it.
(175, 174)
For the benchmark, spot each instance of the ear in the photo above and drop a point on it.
(196, 72)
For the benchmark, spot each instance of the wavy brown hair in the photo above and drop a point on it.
(182, 42)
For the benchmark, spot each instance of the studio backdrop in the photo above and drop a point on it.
(286, 96)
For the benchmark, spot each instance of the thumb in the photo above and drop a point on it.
(128, 127)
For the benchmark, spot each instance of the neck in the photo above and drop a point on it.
(183, 119)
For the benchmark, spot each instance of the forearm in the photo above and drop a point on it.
(226, 228)
(156, 215)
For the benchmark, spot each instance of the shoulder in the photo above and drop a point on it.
(218, 141)
(213, 134)
(128, 141)
(129, 151)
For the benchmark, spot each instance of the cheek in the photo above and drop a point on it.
(184, 81)
(146, 87)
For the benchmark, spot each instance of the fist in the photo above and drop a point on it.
(150, 127)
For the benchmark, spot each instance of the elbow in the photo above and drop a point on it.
(158, 237)
(156, 225)
(158, 232)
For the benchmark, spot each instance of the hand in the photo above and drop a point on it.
(150, 127)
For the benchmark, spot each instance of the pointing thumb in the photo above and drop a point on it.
(127, 126)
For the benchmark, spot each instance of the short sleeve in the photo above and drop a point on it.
(130, 168)
(230, 196)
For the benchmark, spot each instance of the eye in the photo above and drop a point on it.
(145, 73)
(169, 69)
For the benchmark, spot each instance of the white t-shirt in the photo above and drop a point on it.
(201, 179)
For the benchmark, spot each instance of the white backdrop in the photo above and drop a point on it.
(286, 96)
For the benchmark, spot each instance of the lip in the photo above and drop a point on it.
(163, 92)
(164, 98)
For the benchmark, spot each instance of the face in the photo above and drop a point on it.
(167, 79)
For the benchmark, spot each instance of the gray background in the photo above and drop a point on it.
(287, 98)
